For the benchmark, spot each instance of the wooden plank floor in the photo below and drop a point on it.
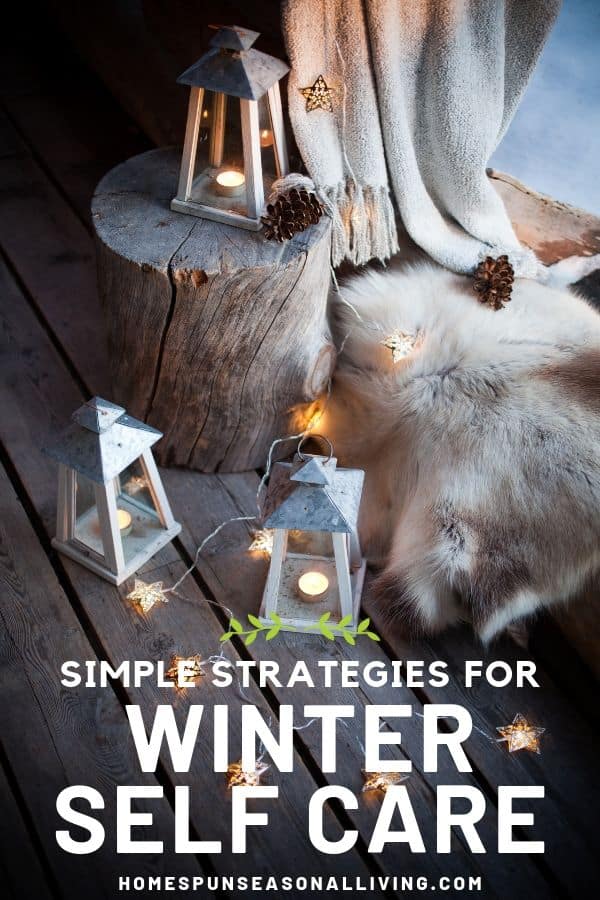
(52, 357)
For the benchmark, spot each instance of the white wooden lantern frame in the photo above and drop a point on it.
(89, 450)
(231, 69)
(313, 495)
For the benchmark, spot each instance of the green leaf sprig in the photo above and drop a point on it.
(329, 630)
(250, 634)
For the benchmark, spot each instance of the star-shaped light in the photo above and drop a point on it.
(381, 781)
(318, 96)
(314, 419)
(262, 541)
(401, 343)
(237, 776)
(192, 671)
(521, 735)
(136, 484)
(146, 595)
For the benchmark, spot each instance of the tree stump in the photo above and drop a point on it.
(216, 335)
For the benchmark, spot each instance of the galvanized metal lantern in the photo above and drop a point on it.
(113, 514)
(224, 177)
(316, 563)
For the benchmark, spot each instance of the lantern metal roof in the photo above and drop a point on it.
(102, 440)
(312, 494)
(232, 67)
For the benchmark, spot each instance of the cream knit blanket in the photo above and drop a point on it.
(422, 92)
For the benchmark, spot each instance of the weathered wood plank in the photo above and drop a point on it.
(21, 873)
(183, 626)
(54, 737)
(52, 254)
(66, 116)
(236, 578)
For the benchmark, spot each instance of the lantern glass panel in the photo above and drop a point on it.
(267, 144)
(310, 543)
(219, 179)
(87, 522)
(139, 520)
(219, 157)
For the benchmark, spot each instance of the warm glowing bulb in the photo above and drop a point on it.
(146, 595)
(314, 420)
(230, 183)
(184, 670)
(236, 775)
(266, 138)
(401, 343)
(124, 520)
(381, 781)
(521, 735)
(312, 586)
(262, 541)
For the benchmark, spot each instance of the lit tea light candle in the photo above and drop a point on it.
(266, 138)
(312, 586)
(125, 522)
(230, 183)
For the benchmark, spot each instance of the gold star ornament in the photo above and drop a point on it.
(318, 96)
(521, 735)
(146, 595)
(236, 776)
(381, 781)
(401, 343)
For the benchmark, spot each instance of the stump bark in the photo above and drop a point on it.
(216, 336)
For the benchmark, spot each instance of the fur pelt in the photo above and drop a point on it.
(482, 489)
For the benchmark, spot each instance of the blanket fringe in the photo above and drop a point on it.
(364, 224)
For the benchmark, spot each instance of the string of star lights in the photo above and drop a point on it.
(188, 671)
(518, 735)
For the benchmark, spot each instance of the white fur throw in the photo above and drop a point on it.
(481, 447)
(429, 87)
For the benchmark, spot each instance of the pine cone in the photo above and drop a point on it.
(493, 281)
(292, 212)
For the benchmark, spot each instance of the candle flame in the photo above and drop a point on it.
(230, 178)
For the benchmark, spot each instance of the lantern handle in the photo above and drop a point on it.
(314, 436)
